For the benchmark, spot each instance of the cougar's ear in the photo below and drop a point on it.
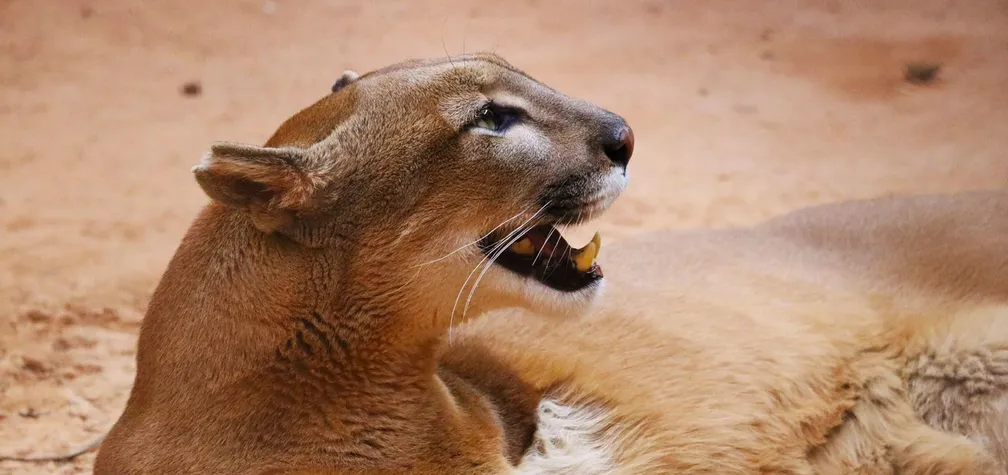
(348, 77)
(270, 183)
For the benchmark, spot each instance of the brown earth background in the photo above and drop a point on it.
(742, 110)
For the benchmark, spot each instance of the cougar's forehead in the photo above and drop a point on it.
(414, 66)
(453, 87)
(456, 86)
(399, 85)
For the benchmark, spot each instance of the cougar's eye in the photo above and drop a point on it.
(495, 118)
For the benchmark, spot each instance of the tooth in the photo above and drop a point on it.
(523, 247)
(584, 258)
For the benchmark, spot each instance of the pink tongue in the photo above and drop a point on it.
(539, 241)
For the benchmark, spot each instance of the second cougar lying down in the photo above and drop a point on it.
(301, 326)
(857, 338)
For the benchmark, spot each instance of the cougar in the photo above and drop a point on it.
(382, 288)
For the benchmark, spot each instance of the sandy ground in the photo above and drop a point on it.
(741, 110)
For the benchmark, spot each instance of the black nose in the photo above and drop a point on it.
(619, 147)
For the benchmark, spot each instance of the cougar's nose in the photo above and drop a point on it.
(619, 145)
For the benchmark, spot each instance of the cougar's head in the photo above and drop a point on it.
(438, 180)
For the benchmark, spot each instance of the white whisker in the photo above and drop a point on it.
(545, 241)
(486, 268)
(550, 256)
(497, 254)
(495, 248)
(474, 242)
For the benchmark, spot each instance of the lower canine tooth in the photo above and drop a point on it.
(523, 247)
(585, 258)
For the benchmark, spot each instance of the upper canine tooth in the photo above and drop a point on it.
(597, 239)
(585, 257)
(523, 247)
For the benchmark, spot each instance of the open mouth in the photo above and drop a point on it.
(543, 254)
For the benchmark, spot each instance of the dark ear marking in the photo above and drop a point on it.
(347, 78)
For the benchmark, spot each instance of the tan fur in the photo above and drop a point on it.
(300, 327)
(858, 338)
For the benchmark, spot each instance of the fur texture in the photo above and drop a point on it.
(569, 440)
(300, 327)
(856, 338)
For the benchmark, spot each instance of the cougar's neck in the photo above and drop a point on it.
(221, 304)
(232, 295)
(236, 303)
(394, 318)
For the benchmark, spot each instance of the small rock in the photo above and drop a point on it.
(66, 375)
(30, 413)
(71, 342)
(921, 72)
(37, 316)
(78, 413)
(34, 365)
(767, 55)
(192, 89)
(86, 12)
(87, 368)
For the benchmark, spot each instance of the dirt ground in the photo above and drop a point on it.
(742, 110)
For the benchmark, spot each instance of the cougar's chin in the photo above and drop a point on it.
(503, 288)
